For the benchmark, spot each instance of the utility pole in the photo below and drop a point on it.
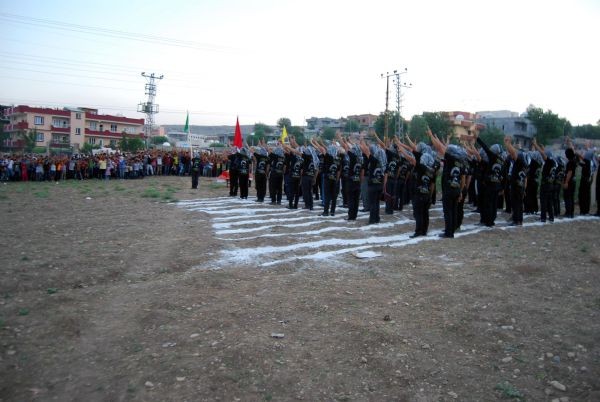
(149, 107)
(399, 86)
(387, 76)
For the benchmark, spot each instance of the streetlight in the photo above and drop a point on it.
(399, 86)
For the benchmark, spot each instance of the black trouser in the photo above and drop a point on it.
(261, 186)
(243, 180)
(330, 191)
(375, 191)
(307, 184)
(461, 209)
(399, 193)
(317, 187)
(450, 206)
(345, 192)
(585, 196)
(569, 196)
(488, 207)
(507, 198)
(293, 191)
(556, 199)
(195, 174)
(531, 202)
(275, 187)
(233, 182)
(421, 203)
(546, 197)
(353, 188)
(516, 198)
(390, 198)
(597, 193)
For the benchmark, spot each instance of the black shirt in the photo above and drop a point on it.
(355, 167)
(308, 166)
(277, 164)
(376, 171)
(331, 167)
(261, 164)
(244, 164)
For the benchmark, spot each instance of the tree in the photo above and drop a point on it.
(352, 126)
(3, 135)
(130, 144)
(439, 124)
(587, 131)
(284, 121)
(492, 135)
(328, 133)
(298, 133)
(87, 148)
(417, 129)
(547, 124)
(159, 140)
(29, 139)
(216, 145)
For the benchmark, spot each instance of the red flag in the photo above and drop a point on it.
(237, 138)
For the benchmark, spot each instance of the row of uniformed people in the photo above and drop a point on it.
(390, 169)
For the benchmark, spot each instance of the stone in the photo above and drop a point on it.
(194, 336)
(507, 359)
(558, 385)
(507, 327)
(571, 354)
(148, 384)
(180, 379)
(425, 346)
(549, 355)
(564, 399)
(453, 394)
(583, 368)
(556, 359)
(363, 359)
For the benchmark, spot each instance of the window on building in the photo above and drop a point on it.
(38, 120)
(78, 116)
(101, 142)
(113, 128)
(92, 141)
(39, 137)
(78, 131)
(93, 125)
(113, 143)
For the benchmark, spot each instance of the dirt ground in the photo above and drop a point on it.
(113, 292)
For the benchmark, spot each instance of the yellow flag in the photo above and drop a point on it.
(283, 135)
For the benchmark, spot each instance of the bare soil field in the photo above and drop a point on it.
(147, 290)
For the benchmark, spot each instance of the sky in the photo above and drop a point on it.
(266, 59)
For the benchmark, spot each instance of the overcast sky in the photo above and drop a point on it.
(265, 59)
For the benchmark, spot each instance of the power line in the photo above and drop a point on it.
(112, 33)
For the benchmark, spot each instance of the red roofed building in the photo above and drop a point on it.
(68, 129)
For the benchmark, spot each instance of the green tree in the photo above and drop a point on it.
(587, 131)
(328, 133)
(352, 126)
(87, 148)
(216, 145)
(3, 135)
(439, 124)
(417, 129)
(492, 135)
(159, 140)
(298, 133)
(284, 121)
(548, 125)
(135, 144)
(29, 139)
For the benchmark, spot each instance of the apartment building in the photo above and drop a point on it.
(67, 129)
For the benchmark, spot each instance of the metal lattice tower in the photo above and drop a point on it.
(149, 107)
(399, 86)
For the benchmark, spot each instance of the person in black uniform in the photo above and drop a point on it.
(585, 182)
(568, 184)
(377, 163)
(244, 172)
(294, 167)
(404, 168)
(276, 167)
(330, 170)
(597, 191)
(453, 181)
(195, 171)
(492, 182)
(547, 183)
(345, 167)
(391, 174)
(559, 179)
(531, 190)
(518, 180)
(424, 180)
(354, 178)
(261, 160)
(234, 162)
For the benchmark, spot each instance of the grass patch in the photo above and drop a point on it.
(2, 323)
(151, 193)
(51, 291)
(584, 248)
(509, 391)
(119, 188)
(23, 311)
(41, 194)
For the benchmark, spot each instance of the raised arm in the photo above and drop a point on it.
(510, 148)
(439, 146)
(539, 148)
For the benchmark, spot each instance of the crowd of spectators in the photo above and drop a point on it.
(39, 167)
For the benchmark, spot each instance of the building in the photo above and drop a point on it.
(190, 139)
(366, 121)
(67, 129)
(464, 124)
(520, 128)
(320, 123)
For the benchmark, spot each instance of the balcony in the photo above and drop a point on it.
(60, 144)
(107, 133)
(60, 129)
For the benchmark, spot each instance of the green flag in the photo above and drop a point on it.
(186, 129)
